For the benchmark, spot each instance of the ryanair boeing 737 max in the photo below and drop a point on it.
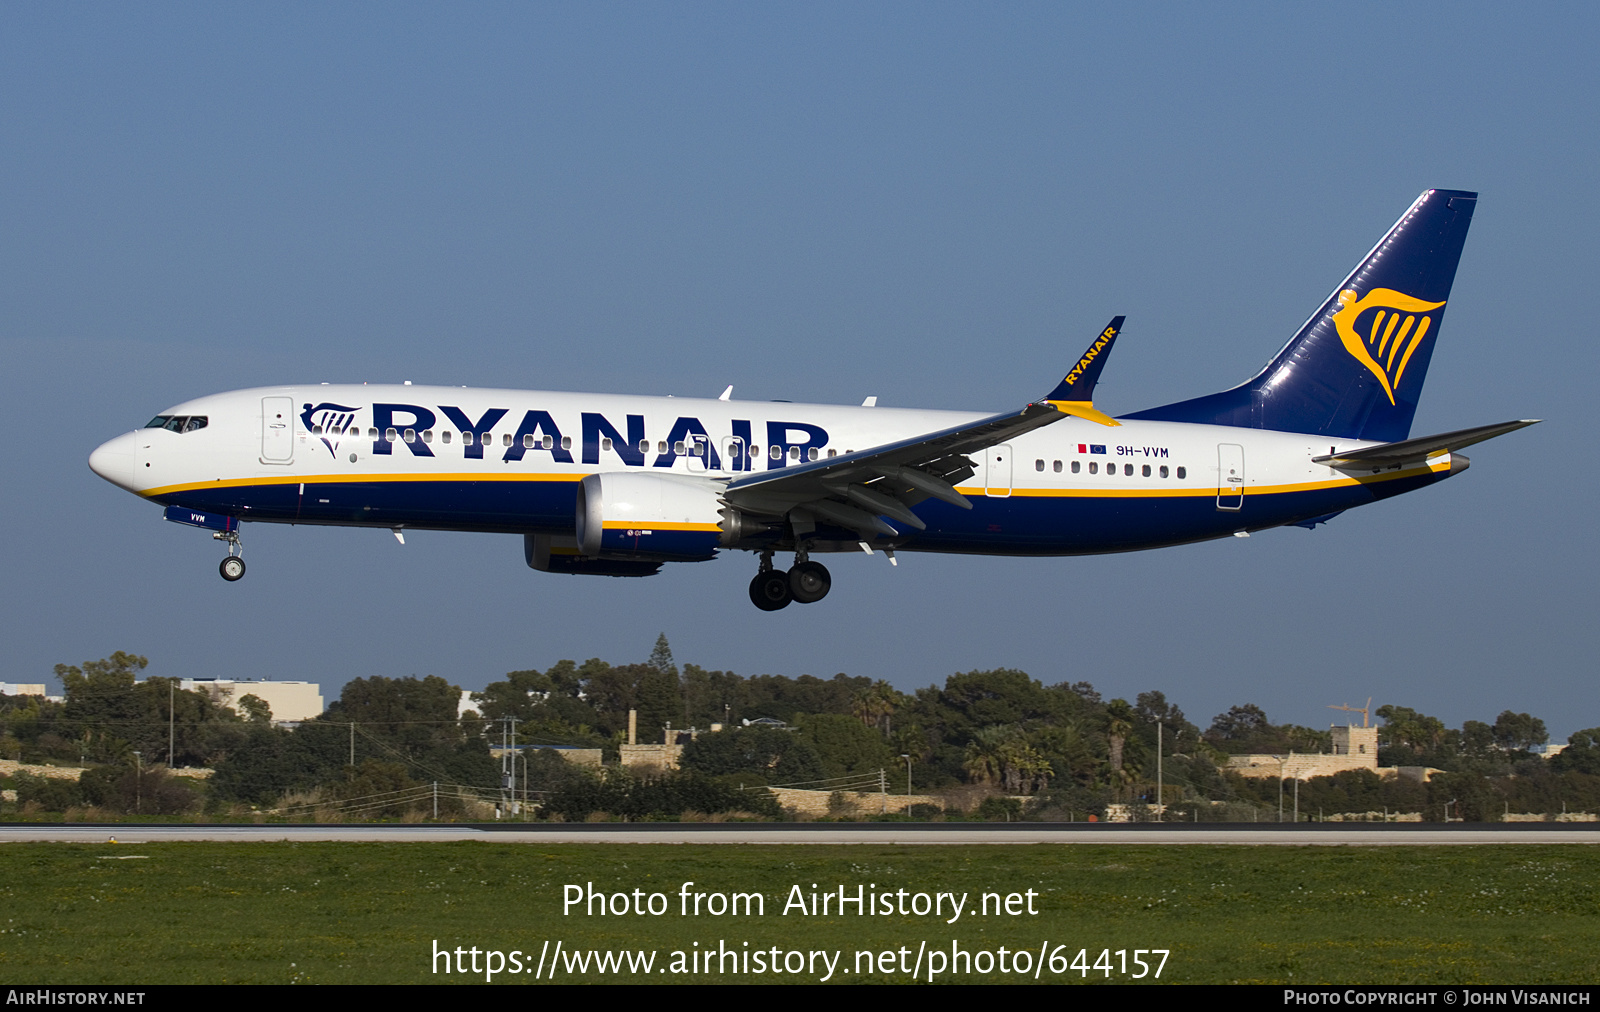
(618, 485)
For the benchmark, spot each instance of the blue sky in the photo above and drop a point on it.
(934, 203)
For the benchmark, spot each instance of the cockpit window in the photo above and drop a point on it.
(177, 423)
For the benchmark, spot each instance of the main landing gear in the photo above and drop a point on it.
(232, 568)
(807, 583)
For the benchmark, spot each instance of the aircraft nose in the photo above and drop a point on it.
(113, 461)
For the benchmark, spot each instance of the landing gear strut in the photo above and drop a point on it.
(232, 567)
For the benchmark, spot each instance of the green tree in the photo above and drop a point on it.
(1519, 731)
(661, 657)
(110, 714)
(846, 747)
(1582, 754)
(765, 754)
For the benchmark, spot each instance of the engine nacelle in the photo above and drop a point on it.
(623, 515)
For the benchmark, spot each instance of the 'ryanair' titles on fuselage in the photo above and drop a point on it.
(412, 426)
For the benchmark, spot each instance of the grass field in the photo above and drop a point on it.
(371, 913)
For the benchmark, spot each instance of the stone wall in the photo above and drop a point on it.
(1302, 766)
(10, 768)
(815, 803)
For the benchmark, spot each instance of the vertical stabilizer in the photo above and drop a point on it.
(1355, 369)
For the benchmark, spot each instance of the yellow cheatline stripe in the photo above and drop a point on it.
(623, 525)
(357, 479)
(1205, 491)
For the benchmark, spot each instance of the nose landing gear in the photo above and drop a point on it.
(232, 567)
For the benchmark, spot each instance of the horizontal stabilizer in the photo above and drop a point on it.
(1416, 450)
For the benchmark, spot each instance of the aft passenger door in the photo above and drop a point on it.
(1230, 476)
(277, 430)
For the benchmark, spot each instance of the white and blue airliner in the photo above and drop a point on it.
(614, 485)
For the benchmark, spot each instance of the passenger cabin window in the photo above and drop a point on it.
(1163, 470)
(605, 442)
(444, 437)
(427, 435)
(466, 439)
(1057, 467)
(1147, 470)
(566, 442)
(1075, 466)
(1094, 468)
(1183, 472)
(1038, 465)
(505, 439)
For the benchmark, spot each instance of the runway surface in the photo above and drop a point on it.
(944, 833)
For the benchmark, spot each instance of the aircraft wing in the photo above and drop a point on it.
(1407, 451)
(856, 489)
(886, 480)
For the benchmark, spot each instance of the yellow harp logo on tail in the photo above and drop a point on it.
(1385, 340)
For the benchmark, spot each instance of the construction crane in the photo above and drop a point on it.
(1365, 711)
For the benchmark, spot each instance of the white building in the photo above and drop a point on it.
(289, 701)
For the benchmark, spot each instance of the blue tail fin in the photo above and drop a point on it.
(1355, 370)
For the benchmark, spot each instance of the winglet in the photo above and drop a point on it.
(1074, 395)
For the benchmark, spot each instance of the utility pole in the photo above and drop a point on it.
(907, 758)
(1159, 809)
(171, 726)
(883, 789)
(1282, 762)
